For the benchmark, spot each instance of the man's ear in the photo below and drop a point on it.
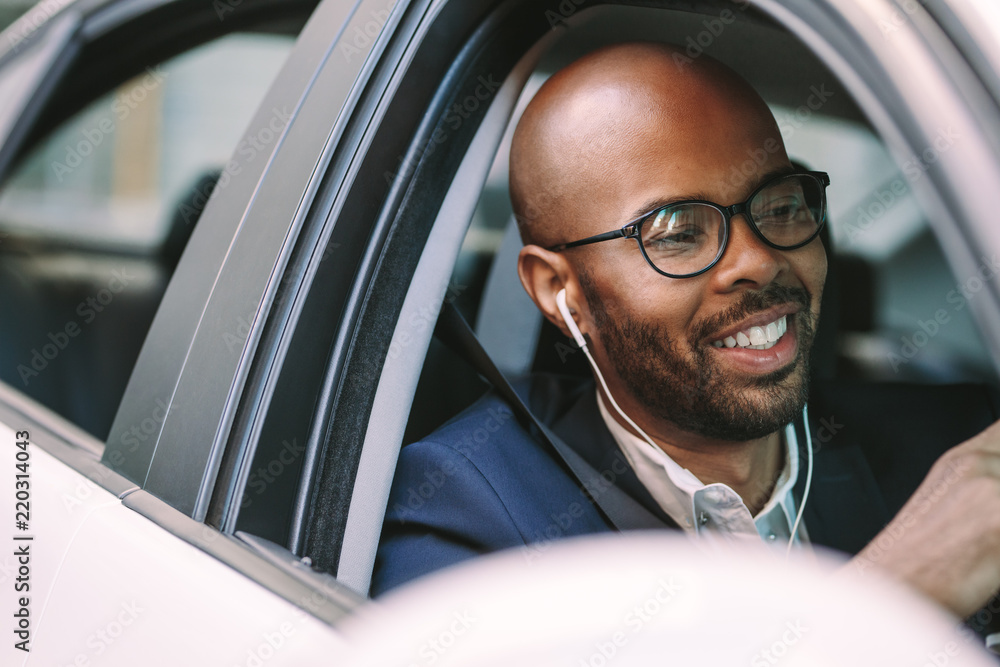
(543, 273)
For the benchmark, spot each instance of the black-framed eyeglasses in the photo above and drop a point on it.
(684, 239)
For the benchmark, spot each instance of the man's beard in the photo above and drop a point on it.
(694, 393)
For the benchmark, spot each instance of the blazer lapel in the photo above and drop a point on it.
(583, 429)
(845, 509)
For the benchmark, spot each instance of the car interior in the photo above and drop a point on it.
(888, 276)
(879, 285)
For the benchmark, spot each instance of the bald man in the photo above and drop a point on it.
(695, 284)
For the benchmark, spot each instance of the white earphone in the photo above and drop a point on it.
(582, 342)
(568, 319)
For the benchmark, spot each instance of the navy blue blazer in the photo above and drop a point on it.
(482, 483)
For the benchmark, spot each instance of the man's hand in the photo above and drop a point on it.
(946, 540)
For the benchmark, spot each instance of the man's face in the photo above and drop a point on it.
(658, 334)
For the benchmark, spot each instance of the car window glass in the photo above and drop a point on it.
(20, 76)
(902, 314)
(124, 162)
(94, 219)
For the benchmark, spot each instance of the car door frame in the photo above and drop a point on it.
(878, 74)
(96, 461)
(199, 462)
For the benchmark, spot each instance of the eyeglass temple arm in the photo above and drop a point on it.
(606, 236)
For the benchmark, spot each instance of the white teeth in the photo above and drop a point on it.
(757, 338)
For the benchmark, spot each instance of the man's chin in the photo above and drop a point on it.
(749, 408)
(790, 377)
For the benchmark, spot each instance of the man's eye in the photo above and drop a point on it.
(679, 230)
(787, 209)
(676, 239)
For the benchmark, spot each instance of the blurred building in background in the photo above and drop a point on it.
(118, 185)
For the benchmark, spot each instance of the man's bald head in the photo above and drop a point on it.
(595, 120)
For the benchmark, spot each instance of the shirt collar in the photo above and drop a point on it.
(693, 504)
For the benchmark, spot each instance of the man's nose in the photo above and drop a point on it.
(747, 261)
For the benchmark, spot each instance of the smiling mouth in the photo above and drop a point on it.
(757, 337)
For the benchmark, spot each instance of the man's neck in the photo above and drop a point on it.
(751, 468)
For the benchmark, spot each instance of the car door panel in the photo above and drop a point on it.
(227, 281)
(58, 502)
(124, 580)
(101, 581)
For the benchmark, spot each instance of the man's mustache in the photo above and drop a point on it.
(755, 302)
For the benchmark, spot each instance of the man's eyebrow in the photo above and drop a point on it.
(659, 202)
(774, 173)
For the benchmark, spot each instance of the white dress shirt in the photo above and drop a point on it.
(713, 511)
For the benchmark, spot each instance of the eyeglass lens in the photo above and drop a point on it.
(685, 238)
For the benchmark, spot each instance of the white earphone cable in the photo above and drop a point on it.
(809, 477)
(582, 342)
